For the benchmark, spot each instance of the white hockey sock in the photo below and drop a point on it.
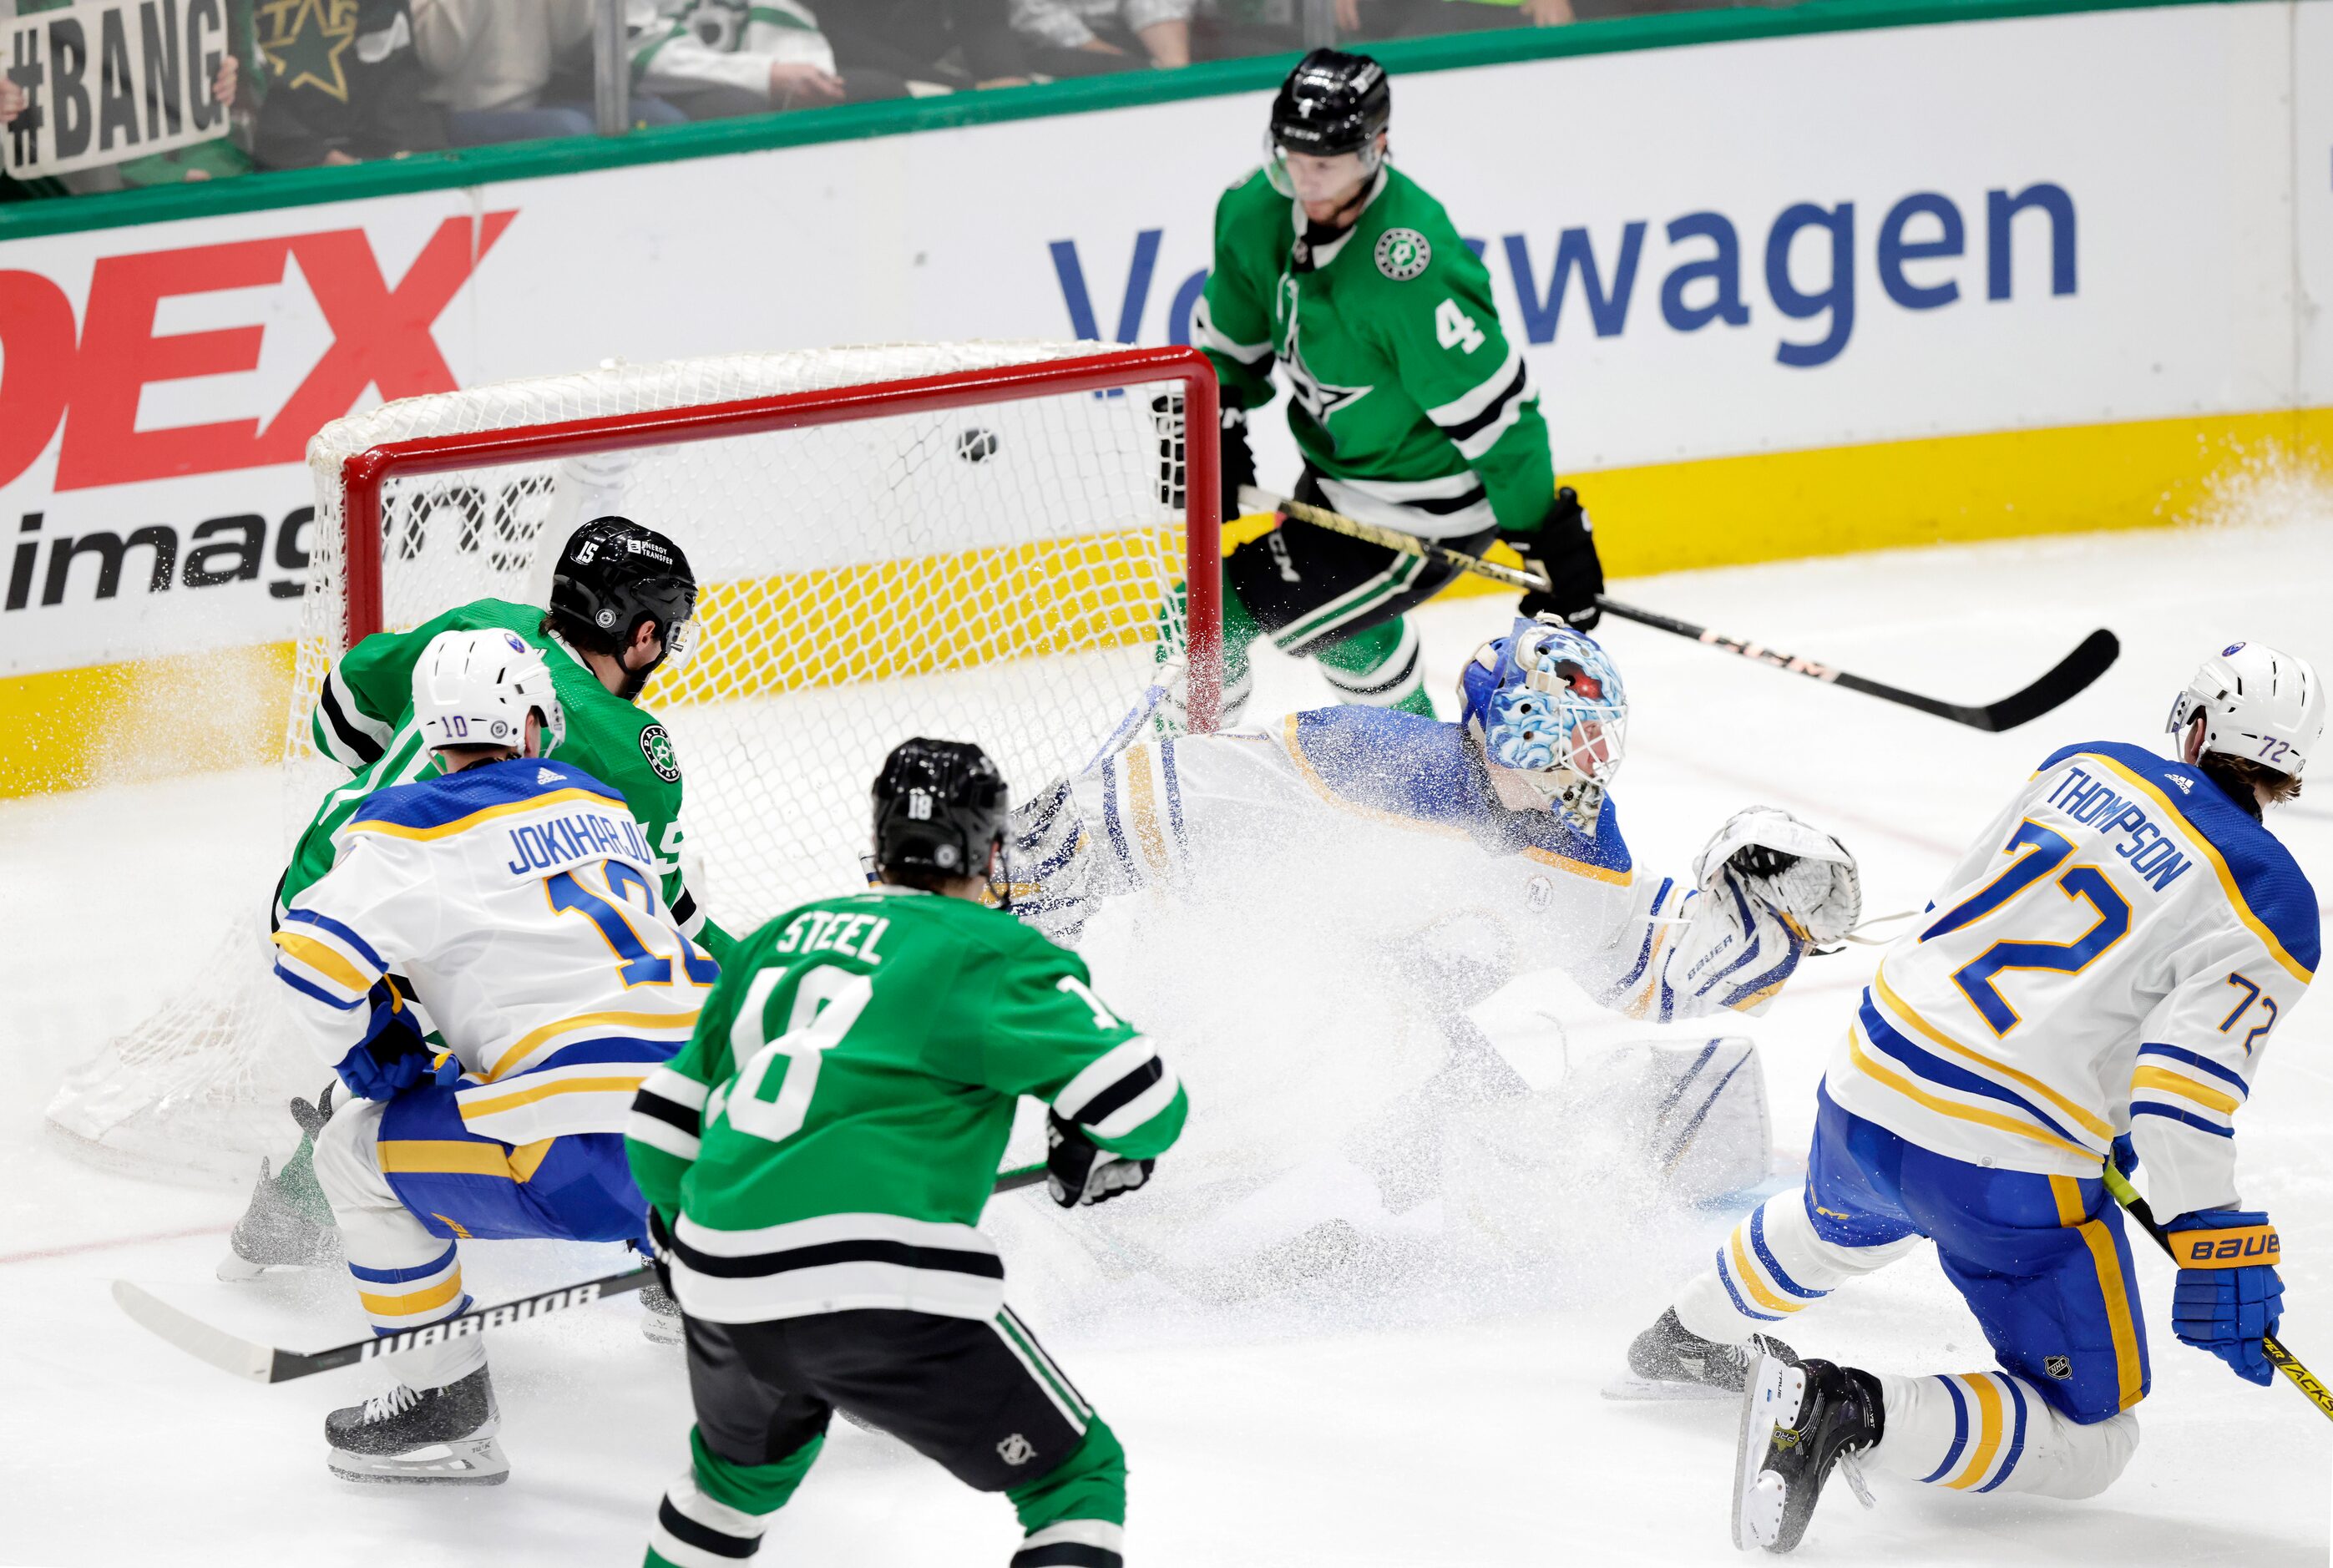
(1771, 1268)
(694, 1531)
(1990, 1431)
(405, 1276)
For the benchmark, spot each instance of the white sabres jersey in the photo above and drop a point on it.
(518, 901)
(1388, 820)
(2113, 955)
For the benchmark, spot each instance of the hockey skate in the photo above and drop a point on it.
(287, 1224)
(1670, 1361)
(1797, 1423)
(428, 1436)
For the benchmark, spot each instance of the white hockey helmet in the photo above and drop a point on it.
(2256, 703)
(476, 688)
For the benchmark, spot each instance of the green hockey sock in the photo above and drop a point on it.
(296, 1183)
(721, 1508)
(1091, 1484)
(1239, 630)
(1378, 667)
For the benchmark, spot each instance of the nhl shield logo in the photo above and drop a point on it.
(1016, 1450)
(2058, 1367)
(1403, 253)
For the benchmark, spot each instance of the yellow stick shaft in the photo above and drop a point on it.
(2283, 1360)
(1251, 501)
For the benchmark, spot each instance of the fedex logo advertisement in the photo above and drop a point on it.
(154, 422)
(86, 377)
(1793, 243)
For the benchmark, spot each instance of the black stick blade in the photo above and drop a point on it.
(2074, 674)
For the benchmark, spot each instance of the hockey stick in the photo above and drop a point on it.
(2283, 1360)
(265, 1363)
(1252, 500)
(2070, 676)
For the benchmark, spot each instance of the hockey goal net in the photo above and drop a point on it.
(978, 541)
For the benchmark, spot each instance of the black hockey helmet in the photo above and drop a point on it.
(613, 575)
(1333, 102)
(939, 809)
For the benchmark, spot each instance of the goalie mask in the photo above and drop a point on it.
(1544, 702)
(476, 688)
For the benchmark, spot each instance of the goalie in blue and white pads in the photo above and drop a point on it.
(517, 903)
(1503, 815)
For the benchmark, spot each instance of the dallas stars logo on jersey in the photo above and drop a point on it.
(656, 744)
(1316, 397)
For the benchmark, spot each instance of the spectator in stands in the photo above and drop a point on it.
(953, 43)
(1376, 19)
(204, 161)
(510, 69)
(1090, 37)
(1236, 29)
(344, 85)
(714, 59)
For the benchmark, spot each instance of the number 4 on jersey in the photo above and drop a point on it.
(1455, 328)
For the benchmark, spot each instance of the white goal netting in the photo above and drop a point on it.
(1004, 570)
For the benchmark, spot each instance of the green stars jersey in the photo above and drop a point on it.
(1406, 397)
(364, 721)
(828, 1139)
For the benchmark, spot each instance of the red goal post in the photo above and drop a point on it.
(365, 474)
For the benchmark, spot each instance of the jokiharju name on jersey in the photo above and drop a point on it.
(579, 836)
(2112, 954)
(584, 982)
(364, 721)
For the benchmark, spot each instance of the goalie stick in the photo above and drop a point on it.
(2283, 1360)
(265, 1363)
(2070, 676)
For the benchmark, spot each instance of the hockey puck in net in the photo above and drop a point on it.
(976, 445)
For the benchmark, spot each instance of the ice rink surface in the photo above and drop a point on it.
(1393, 1420)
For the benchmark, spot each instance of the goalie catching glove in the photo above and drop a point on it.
(1803, 874)
(1079, 1171)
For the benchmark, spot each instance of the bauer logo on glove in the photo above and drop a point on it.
(2255, 1244)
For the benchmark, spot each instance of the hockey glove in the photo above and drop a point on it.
(1801, 873)
(381, 1070)
(1563, 550)
(393, 1056)
(2125, 1156)
(1079, 1171)
(1237, 463)
(2228, 1296)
